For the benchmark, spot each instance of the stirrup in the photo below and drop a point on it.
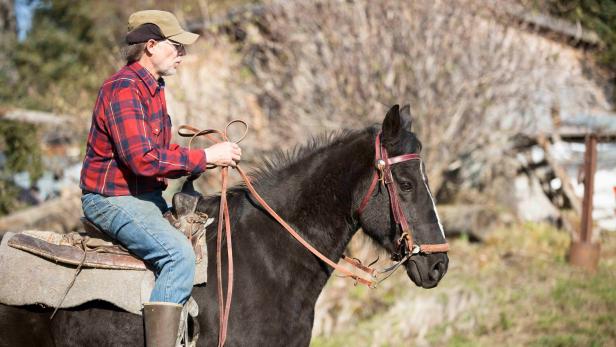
(190, 309)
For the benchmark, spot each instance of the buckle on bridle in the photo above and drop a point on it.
(416, 249)
(380, 166)
(401, 248)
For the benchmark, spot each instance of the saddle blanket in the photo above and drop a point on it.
(27, 279)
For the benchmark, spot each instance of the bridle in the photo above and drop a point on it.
(405, 246)
(383, 174)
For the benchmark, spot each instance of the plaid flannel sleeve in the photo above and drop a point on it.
(136, 146)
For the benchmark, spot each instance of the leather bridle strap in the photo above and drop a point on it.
(368, 282)
(223, 215)
(384, 175)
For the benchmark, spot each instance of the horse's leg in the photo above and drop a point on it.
(21, 326)
(97, 326)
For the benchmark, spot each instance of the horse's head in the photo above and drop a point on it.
(400, 213)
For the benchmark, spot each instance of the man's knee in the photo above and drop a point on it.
(184, 257)
(187, 256)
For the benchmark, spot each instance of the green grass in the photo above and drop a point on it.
(525, 295)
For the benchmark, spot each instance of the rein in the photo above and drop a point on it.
(383, 174)
(224, 304)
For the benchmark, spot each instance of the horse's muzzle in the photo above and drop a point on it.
(426, 270)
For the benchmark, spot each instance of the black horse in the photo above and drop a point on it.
(317, 190)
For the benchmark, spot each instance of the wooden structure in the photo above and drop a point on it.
(584, 253)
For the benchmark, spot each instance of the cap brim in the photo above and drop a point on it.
(184, 38)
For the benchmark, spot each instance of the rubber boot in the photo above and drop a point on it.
(161, 321)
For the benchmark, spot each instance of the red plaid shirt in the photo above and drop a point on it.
(128, 150)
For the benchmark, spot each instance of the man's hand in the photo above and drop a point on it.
(223, 154)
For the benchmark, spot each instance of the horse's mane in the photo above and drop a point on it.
(277, 161)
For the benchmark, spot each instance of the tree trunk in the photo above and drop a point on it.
(7, 20)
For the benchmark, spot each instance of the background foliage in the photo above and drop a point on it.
(20, 144)
(597, 15)
(71, 48)
(74, 45)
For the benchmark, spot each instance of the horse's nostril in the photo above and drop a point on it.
(437, 271)
(434, 275)
(442, 267)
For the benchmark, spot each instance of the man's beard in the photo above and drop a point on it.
(169, 71)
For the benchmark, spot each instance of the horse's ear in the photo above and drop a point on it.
(392, 125)
(405, 117)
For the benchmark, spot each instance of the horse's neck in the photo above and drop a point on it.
(276, 276)
(315, 194)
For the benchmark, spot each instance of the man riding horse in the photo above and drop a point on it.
(129, 158)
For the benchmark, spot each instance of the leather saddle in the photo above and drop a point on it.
(94, 249)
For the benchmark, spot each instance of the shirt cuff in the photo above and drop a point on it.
(197, 161)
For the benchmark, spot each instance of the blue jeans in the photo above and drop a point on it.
(137, 223)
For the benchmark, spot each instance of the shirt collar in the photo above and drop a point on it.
(152, 84)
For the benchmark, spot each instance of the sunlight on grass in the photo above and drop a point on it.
(523, 294)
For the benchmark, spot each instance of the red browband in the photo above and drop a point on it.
(383, 174)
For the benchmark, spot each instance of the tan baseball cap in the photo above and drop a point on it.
(166, 21)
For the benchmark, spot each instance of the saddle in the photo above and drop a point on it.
(94, 249)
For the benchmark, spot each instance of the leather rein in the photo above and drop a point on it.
(383, 175)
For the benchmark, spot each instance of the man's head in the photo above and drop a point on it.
(156, 40)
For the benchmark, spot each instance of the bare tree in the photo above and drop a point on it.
(472, 80)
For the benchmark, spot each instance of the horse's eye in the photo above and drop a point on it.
(406, 186)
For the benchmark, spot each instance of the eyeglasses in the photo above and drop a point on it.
(178, 46)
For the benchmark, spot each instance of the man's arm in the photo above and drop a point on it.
(135, 145)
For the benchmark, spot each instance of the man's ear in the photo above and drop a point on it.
(149, 46)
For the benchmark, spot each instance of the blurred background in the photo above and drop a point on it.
(503, 94)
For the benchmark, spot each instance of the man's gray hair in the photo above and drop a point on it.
(132, 53)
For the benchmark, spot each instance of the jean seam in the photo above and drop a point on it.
(142, 226)
(145, 229)
(115, 209)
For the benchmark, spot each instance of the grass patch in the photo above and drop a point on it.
(460, 341)
(527, 295)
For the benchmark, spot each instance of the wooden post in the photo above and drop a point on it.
(590, 165)
(583, 252)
